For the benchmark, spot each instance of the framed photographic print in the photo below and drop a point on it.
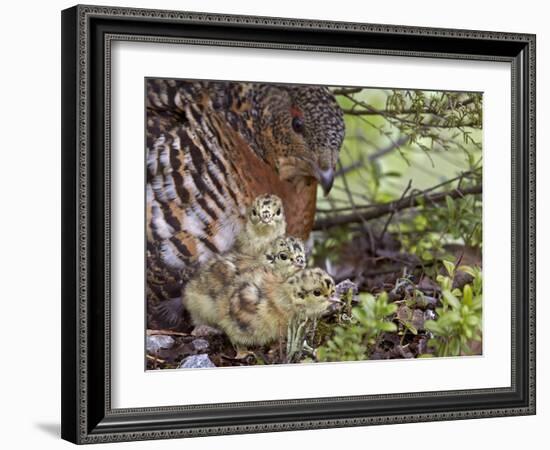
(282, 224)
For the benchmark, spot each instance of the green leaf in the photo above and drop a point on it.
(454, 347)
(469, 270)
(392, 173)
(451, 206)
(467, 295)
(451, 299)
(449, 267)
(434, 327)
(456, 292)
(427, 256)
(388, 326)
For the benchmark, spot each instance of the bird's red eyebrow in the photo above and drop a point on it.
(296, 112)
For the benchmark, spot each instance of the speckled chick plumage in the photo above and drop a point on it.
(265, 222)
(259, 310)
(223, 274)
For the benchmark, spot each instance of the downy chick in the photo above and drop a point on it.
(262, 303)
(284, 257)
(265, 222)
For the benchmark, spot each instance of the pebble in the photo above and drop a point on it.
(343, 287)
(196, 362)
(156, 342)
(200, 344)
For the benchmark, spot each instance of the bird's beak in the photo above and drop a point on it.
(335, 299)
(326, 178)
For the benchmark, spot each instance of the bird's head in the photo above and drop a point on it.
(267, 211)
(312, 291)
(287, 255)
(301, 131)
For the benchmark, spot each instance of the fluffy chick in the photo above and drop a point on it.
(284, 257)
(312, 291)
(265, 222)
(261, 305)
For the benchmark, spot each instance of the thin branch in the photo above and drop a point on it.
(346, 91)
(165, 333)
(387, 208)
(393, 146)
(366, 228)
(405, 191)
(155, 359)
(459, 178)
(371, 111)
(344, 170)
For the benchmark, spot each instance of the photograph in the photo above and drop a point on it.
(301, 224)
(283, 222)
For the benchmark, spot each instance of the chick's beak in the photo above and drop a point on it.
(326, 178)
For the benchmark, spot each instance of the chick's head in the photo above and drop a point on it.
(267, 211)
(287, 255)
(312, 291)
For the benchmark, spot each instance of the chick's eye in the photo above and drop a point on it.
(279, 212)
(254, 212)
(317, 292)
(283, 256)
(298, 124)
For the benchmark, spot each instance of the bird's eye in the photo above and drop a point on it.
(254, 212)
(317, 292)
(298, 124)
(279, 212)
(283, 256)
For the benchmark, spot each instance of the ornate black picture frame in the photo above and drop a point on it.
(87, 34)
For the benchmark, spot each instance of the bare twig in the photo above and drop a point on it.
(346, 91)
(356, 165)
(366, 228)
(459, 178)
(155, 359)
(393, 212)
(393, 146)
(381, 210)
(165, 333)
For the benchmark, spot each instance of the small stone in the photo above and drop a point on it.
(345, 288)
(418, 319)
(200, 344)
(422, 346)
(429, 315)
(196, 362)
(156, 342)
(205, 331)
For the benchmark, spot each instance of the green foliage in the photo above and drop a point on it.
(420, 153)
(456, 221)
(417, 112)
(459, 319)
(354, 340)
